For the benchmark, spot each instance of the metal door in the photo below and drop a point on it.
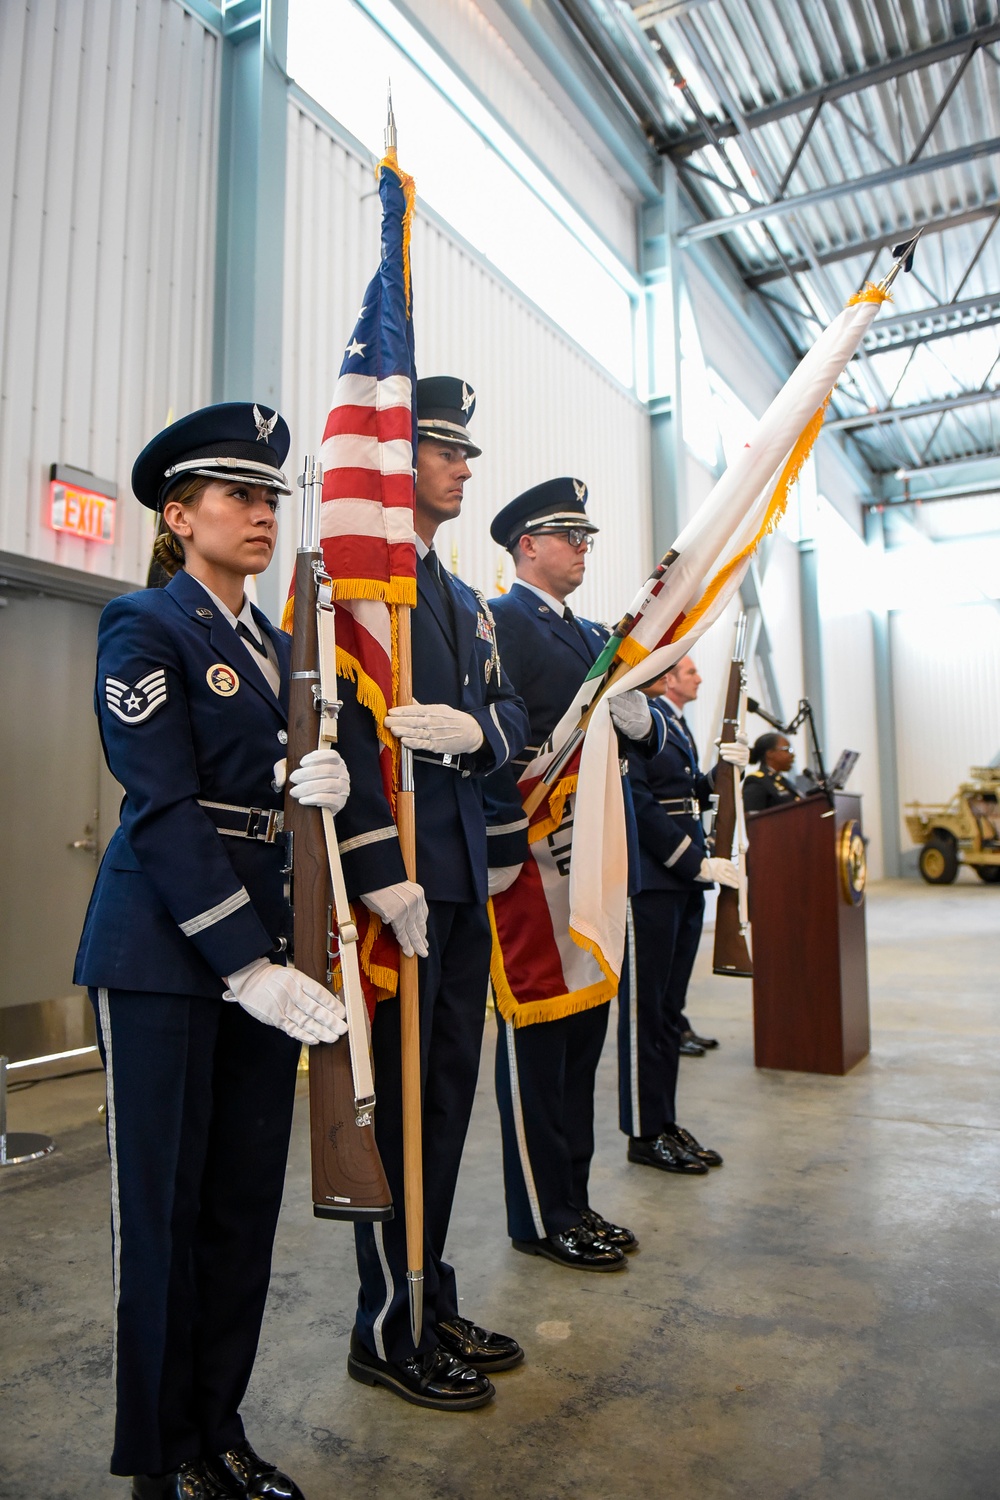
(59, 803)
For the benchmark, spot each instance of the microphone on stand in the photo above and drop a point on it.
(762, 713)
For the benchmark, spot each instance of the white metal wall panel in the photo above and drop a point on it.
(108, 145)
(478, 49)
(543, 407)
(946, 671)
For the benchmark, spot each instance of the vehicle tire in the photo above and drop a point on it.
(938, 859)
(989, 873)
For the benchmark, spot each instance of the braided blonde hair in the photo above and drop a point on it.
(168, 549)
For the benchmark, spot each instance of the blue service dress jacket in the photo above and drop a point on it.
(455, 661)
(547, 657)
(671, 840)
(187, 718)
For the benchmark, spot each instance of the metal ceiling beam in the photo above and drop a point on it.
(882, 73)
(920, 409)
(876, 180)
(880, 339)
(869, 247)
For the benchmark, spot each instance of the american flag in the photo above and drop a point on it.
(366, 519)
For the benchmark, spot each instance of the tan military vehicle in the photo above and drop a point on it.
(965, 832)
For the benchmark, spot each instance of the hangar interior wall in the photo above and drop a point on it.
(106, 261)
(947, 696)
(544, 408)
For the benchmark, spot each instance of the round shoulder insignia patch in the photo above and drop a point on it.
(203, 612)
(222, 680)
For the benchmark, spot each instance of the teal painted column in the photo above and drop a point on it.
(885, 712)
(812, 639)
(250, 223)
(660, 276)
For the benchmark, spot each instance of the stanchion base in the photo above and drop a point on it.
(21, 1145)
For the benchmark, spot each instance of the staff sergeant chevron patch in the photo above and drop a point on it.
(135, 704)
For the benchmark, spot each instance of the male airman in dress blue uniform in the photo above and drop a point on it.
(663, 930)
(545, 1072)
(466, 721)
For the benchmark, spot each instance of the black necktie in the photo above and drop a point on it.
(246, 634)
(433, 564)
(571, 619)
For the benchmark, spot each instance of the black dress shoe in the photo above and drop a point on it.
(436, 1379)
(192, 1481)
(252, 1476)
(678, 1136)
(479, 1347)
(578, 1247)
(611, 1234)
(663, 1153)
(706, 1043)
(690, 1049)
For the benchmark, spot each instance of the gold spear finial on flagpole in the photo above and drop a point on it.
(903, 261)
(390, 122)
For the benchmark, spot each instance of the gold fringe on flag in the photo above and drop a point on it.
(410, 194)
(557, 804)
(554, 1007)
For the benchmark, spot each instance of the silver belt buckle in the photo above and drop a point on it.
(264, 824)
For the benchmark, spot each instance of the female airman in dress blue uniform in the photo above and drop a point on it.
(200, 1020)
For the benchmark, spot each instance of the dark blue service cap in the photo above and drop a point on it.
(558, 503)
(237, 440)
(444, 406)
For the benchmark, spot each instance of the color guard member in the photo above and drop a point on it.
(465, 721)
(200, 1019)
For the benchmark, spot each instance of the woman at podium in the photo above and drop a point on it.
(769, 784)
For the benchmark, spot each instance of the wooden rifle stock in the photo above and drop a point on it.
(730, 955)
(348, 1181)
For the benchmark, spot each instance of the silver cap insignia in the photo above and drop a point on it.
(265, 425)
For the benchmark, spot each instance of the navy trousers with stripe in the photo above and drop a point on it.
(664, 929)
(453, 988)
(200, 1102)
(545, 1090)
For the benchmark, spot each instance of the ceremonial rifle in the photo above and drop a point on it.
(730, 955)
(348, 1181)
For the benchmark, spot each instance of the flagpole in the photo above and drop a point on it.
(409, 985)
(606, 671)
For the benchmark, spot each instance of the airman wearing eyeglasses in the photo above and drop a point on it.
(545, 1072)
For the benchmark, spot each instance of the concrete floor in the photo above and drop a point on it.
(817, 1319)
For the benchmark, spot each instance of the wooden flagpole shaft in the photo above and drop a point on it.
(409, 1019)
(542, 788)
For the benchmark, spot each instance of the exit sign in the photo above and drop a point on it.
(82, 504)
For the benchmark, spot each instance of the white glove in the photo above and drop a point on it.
(501, 878)
(321, 780)
(721, 870)
(630, 714)
(288, 999)
(404, 907)
(434, 726)
(735, 752)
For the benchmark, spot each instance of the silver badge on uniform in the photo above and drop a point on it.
(134, 703)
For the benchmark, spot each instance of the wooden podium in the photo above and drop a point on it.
(807, 917)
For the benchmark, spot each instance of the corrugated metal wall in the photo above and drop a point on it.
(946, 665)
(543, 407)
(108, 130)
